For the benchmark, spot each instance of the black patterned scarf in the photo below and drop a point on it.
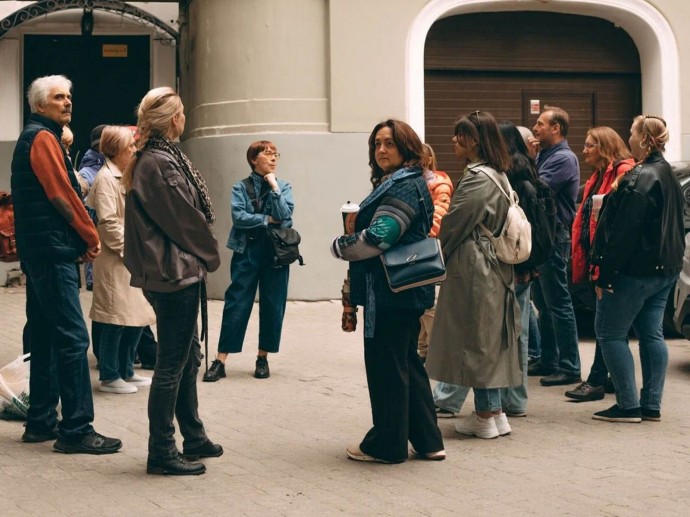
(191, 172)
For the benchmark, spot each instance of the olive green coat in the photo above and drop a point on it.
(474, 340)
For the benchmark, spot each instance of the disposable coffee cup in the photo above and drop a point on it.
(597, 202)
(349, 211)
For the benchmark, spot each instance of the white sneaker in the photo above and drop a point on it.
(502, 424)
(474, 425)
(138, 380)
(117, 386)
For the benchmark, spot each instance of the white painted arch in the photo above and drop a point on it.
(656, 43)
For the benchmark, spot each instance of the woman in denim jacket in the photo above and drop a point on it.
(252, 266)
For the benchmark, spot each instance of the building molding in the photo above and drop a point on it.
(647, 27)
(167, 35)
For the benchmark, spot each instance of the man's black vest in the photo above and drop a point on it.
(42, 233)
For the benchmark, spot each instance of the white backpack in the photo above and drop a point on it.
(514, 244)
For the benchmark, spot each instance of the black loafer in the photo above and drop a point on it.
(616, 414)
(652, 415)
(560, 379)
(39, 436)
(538, 369)
(586, 392)
(208, 449)
(262, 371)
(92, 443)
(215, 372)
(176, 465)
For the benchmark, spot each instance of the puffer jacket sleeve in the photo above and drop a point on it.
(441, 192)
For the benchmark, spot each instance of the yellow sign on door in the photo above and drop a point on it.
(110, 50)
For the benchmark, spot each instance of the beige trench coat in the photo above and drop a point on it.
(474, 340)
(114, 300)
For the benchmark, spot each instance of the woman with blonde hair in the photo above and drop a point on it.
(636, 258)
(609, 158)
(169, 248)
(121, 310)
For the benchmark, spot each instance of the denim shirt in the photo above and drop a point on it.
(278, 205)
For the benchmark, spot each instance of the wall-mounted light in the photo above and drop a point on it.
(87, 23)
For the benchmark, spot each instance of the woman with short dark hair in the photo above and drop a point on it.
(258, 202)
(398, 211)
(474, 342)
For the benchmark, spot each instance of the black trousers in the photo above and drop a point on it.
(402, 406)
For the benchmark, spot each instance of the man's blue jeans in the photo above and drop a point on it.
(118, 346)
(59, 340)
(559, 342)
(637, 302)
(451, 397)
(173, 387)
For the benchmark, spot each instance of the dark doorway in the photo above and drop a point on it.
(109, 74)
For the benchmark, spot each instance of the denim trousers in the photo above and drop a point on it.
(118, 346)
(58, 343)
(487, 399)
(451, 397)
(637, 302)
(534, 334)
(559, 345)
(248, 270)
(173, 387)
(402, 407)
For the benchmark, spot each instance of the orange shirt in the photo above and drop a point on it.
(48, 164)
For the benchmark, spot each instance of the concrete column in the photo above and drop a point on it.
(259, 69)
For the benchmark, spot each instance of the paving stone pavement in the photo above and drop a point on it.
(285, 438)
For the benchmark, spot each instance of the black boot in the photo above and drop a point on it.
(215, 372)
(176, 465)
(262, 371)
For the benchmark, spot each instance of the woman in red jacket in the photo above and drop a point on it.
(610, 158)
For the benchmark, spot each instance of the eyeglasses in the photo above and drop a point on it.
(590, 146)
(271, 154)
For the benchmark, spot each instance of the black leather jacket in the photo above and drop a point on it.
(640, 232)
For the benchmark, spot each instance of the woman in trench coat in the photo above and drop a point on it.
(122, 309)
(474, 341)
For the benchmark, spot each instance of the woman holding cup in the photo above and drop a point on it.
(609, 158)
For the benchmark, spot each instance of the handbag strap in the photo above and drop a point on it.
(249, 185)
(489, 175)
(426, 212)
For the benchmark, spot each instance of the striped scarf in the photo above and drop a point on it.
(190, 172)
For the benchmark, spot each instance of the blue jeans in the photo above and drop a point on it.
(451, 397)
(487, 399)
(248, 270)
(638, 303)
(559, 346)
(118, 346)
(173, 387)
(534, 334)
(514, 399)
(59, 340)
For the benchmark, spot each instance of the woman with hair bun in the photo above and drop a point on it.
(169, 248)
(636, 258)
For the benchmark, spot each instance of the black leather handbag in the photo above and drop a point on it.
(415, 264)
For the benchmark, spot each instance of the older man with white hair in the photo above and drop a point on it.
(54, 232)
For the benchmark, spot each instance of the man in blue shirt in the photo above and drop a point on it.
(559, 168)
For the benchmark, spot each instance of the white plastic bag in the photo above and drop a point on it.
(14, 387)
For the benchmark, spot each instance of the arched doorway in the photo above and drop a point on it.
(515, 63)
(646, 26)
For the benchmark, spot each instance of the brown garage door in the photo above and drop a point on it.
(463, 74)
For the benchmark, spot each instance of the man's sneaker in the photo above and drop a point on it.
(92, 443)
(117, 386)
(616, 414)
(262, 371)
(502, 425)
(538, 369)
(653, 415)
(444, 413)
(586, 392)
(39, 436)
(474, 425)
(138, 380)
(176, 465)
(215, 372)
(208, 449)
